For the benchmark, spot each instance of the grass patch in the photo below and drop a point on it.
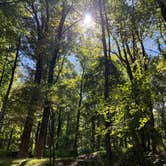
(37, 162)
(24, 162)
(11, 162)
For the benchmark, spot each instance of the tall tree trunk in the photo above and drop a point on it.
(3, 70)
(67, 132)
(52, 144)
(98, 137)
(162, 5)
(42, 132)
(42, 29)
(37, 133)
(163, 119)
(2, 75)
(59, 128)
(106, 86)
(78, 114)
(153, 130)
(93, 140)
(5, 100)
(44, 123)
(25, 138)
(75, 145)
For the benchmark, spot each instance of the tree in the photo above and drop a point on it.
(3, 110)
(41, 27)
(64, 12)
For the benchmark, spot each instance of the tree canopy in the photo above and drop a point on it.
(78, 77)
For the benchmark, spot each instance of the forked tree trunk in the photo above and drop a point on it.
(46, 112)
(41, 30)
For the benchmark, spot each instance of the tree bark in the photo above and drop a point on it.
(67, 130)
(93, 140)
(25, 137)
(51, 141)
(37, 134)
(42, 131)
(98, 137)
(5, 100)
(162, 6)
(3, 70)
(75, 145)
(59, 128)
(106, 86)
(40, 145)
(41, 30)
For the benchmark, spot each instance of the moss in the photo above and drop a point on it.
(37, 162)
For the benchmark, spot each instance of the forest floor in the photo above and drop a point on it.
(92, 159)
(83, 160)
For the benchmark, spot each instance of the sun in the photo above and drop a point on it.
(88, 21)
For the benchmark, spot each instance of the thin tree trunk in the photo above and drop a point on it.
(59, 128)
(52, 143)
(2, 75)
(163, 120)
(53, 132)
(78, 114)
(106, 86)
(5, 100)
(37, 133)
(98, 136)
(3, 71)
(93, 140)
(153, 130)
(75, 146)
(67, 129)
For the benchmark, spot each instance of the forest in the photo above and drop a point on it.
(83, 82)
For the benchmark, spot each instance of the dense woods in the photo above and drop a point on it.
(83, 80)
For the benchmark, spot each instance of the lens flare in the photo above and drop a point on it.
(88, 20)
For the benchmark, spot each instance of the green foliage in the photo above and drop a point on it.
(135, 106)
